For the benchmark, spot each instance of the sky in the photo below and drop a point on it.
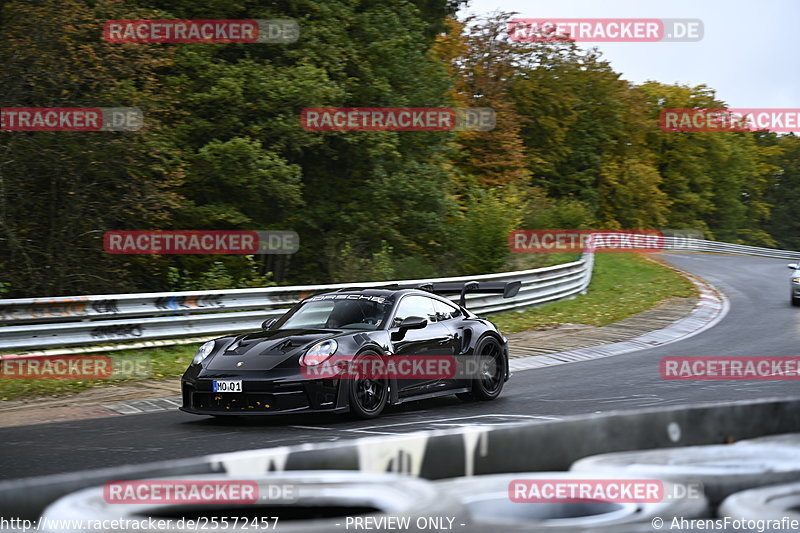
(750, 53)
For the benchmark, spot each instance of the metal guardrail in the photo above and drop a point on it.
(38, 323)
(701, 245)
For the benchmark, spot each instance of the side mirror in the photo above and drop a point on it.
(411, 322)
(414, 322)
(268, 323)
(793, 266)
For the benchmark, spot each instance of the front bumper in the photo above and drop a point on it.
(261, 396)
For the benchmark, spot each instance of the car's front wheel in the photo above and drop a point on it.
(488, 384)
(368, 394)
(795, 301)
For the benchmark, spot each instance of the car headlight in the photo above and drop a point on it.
(319, 353)
(203, 352)
(795, 280)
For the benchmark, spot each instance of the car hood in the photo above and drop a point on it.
(265, 350)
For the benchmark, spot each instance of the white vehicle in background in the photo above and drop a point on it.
(794, 290)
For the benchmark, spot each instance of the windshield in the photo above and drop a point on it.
(337, 314)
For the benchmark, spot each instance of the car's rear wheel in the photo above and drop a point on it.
(368, 395)
(795, 301)
(488, 384)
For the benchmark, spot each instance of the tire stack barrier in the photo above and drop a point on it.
(723, 469)
(318, 503)
(488, 503)
(746, 482)
(764, 503)
(771, 502)
(471, 450)
(789, 439)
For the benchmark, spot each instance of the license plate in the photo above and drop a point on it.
(228, 385)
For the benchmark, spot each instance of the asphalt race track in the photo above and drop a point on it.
(761, 322)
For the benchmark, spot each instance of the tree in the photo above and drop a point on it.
(784, 192)
(59, 191)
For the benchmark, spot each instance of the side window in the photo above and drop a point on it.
(413, 305)
(445, 311)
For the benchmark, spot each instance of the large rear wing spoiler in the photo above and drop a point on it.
(508, 289)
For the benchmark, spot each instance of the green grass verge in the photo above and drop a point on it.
(622, 285)
(161, 363)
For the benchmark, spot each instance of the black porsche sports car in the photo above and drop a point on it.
(276, 371)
